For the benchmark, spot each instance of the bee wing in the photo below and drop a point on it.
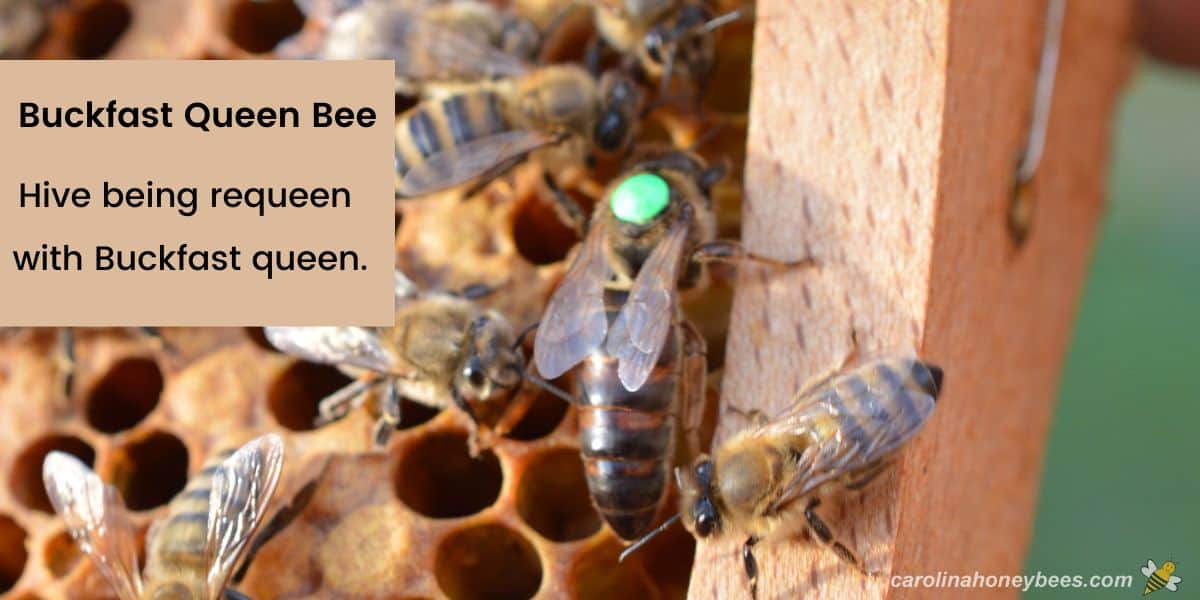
(97, 520)
(1171, 584)
(575, 322)
(875, 413)
(428, 51)
(353, 346)
(404, 289)
(241, 489)
(1149, 569)
(637, 336)
(465, 162)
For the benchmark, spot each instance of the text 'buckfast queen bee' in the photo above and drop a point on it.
(191, 553)
(443, 351)
(840, 433)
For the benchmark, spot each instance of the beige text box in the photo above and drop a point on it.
(348, 280)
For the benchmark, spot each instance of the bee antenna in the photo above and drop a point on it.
(723, 20)
(524, 334)
(549, 387)
(665, 84)
(646, 538)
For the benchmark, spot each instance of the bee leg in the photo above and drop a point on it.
(825, 535)
(64, 356)
(757, 417)
(565, 207)
(339, 404)
(593, 57)
(867, 477)
(732, 251)
(692, 408)
(463, 405)
(279, 522)
(750, 564)
(390, 414)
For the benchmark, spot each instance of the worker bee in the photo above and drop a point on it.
(64, 353)
(509, 109)
(617, 312)
(840, 433)
(486, 128)
(443, 351)
(663, 38)
(423, 37)
(190, 554)
(21, 23)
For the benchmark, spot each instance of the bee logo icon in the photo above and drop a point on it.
(1160, 577)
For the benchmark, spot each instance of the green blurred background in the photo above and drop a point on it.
(1122, 474)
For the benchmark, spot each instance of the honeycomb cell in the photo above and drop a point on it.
(125, 395)
(487, 562)
(544, 415)
(540, 236)
(257, 26)
(295, 395)
(61, 554)
(25, 480)
(597, 574)
(258, 338)
(438, 478)
(151, 470)
(667, 559)
(553, 497)
(413, 414)
(12, 552)
(99, 26)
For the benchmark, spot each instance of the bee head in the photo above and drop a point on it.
(697, 505)
(620, 104)
(1168, 567)
(682, 44)
(490, 366)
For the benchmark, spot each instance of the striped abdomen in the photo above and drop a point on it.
(436, 126)
(875, 408)
(627, 438)
(175, 554)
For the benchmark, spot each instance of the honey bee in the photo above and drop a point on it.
(617, 312)
(663, 38)
(486, 128)
(21, 23)
(443, 351)
(383, 29)
(503, 110)
(190, 554)
(840, 433)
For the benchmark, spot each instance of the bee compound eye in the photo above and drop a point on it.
(704, 523)
(474, 375)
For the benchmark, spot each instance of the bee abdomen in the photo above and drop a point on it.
(630, 434)
(434, 126)
(626, 492)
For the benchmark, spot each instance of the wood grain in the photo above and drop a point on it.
(883, 140)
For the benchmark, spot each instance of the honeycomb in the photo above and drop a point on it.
(419, 518)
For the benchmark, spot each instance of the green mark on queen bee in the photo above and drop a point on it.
(640, 198)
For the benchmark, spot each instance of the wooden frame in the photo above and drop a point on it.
(883, 141)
